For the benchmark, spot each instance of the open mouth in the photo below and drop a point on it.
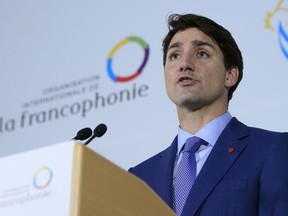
(186, 80)
(183, 79)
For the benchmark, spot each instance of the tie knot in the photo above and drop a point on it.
(192, 144)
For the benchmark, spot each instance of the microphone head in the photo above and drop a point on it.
(100, 130)
(83, 134)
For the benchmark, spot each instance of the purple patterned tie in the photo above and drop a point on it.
(186, 173)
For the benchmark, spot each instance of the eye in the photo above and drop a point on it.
(202, 54)
(173, 56)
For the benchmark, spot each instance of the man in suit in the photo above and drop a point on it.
(240, 170)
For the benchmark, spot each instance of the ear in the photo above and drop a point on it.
(232, 77)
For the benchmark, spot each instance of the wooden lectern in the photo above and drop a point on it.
(69, 179)
(102, 188)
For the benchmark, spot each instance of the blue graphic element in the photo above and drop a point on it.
(282, 34)
(110, 71)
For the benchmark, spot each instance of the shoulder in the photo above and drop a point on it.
(153, 160)
(156, 161)
(249, 132)
(258, 141)
(268, 136)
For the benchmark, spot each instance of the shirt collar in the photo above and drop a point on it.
(210, 132)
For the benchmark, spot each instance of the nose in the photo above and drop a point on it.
(186, 63)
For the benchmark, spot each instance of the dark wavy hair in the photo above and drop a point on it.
(221, 36)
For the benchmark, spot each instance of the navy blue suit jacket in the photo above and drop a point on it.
(251, 180)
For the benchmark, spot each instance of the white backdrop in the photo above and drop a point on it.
(54, 80)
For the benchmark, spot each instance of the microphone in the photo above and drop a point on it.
(83, 134)
(99, 131)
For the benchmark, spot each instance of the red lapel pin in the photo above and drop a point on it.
(230, 150)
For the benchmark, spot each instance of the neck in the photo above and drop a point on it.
(193, 121)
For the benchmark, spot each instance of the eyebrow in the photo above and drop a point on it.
(196, 43)
(175, 45)
(202, 43)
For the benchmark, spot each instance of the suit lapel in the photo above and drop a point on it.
(224, 153)
(164, 171)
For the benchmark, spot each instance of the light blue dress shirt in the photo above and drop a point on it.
(210, 133)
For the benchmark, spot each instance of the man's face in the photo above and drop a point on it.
(195, 75)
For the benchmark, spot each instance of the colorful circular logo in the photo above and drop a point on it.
(42, 177)
(110, 71)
